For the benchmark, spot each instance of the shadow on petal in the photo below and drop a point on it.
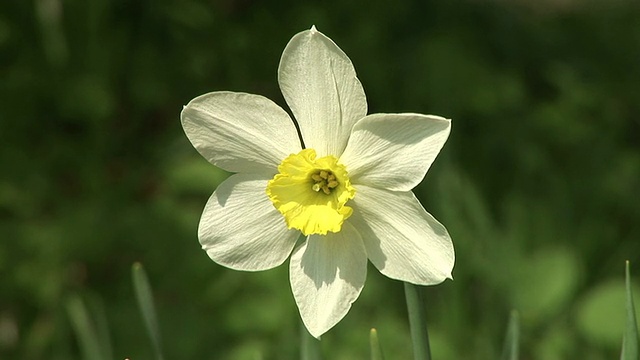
(335, 256)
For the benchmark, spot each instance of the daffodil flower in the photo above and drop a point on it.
(344, 185)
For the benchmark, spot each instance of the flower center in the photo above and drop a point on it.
(311, 193)
(324, 180)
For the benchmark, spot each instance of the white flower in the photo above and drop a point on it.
(348, 191)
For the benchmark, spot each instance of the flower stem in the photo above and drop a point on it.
(417, 321)
(309, 346)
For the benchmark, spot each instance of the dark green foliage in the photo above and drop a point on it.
(538, 184)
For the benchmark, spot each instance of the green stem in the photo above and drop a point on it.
(417, 321)
(310, 346)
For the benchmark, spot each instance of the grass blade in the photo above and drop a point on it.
(85, 330)
(630, 339)
(512, 339)
(147, 309)
(376, 349)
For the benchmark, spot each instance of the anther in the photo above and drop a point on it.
(324, 180)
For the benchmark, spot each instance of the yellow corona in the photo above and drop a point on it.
(311, 192)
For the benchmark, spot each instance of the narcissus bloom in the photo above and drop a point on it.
(345, 186)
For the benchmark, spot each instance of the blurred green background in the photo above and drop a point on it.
(538, 184)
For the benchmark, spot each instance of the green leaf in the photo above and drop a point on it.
(376, 350)
(417, 321)
(630, 338)
(512, 339)
(147, 309)
(89, 339)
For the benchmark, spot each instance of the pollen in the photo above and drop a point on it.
(311, 192)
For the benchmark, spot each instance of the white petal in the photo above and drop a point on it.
(241, 229)
(319, 83)
(402, 240)
(394, 151)
(240, 132)
(327, 274)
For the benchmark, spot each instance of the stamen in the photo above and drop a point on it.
(324, 180)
